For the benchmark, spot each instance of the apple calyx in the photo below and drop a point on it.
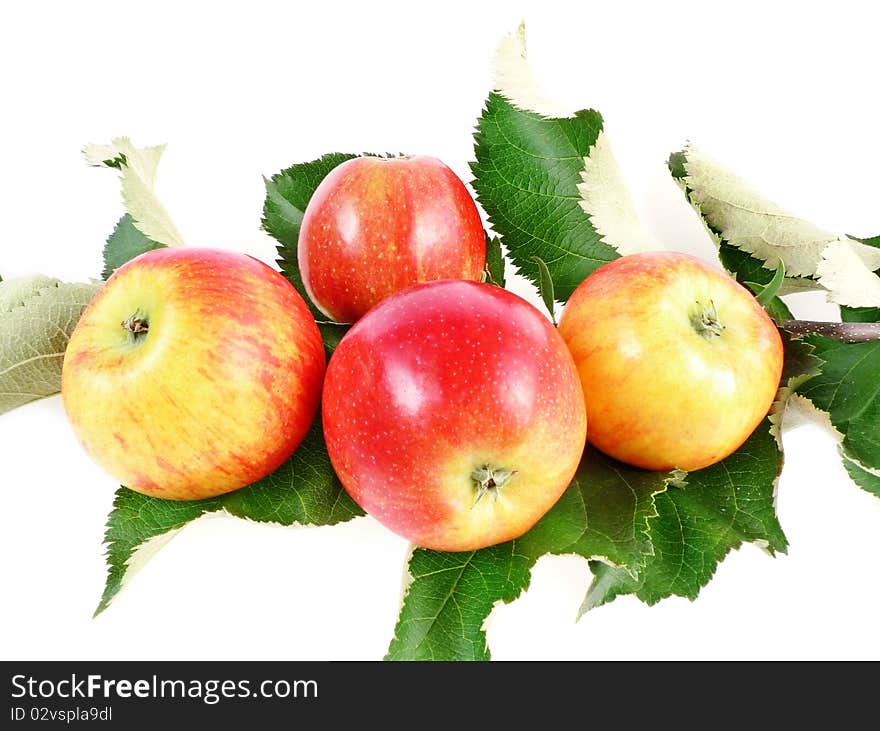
(488, 478)
(704, 320)
(138, 325)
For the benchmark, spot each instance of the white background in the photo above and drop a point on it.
(784, 94)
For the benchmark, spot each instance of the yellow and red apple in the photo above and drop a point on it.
(377, 225)
(678, 362)
(193, 372)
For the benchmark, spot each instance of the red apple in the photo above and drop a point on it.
(678, 362)
(193, 372)
(453, 414)
(378, 225)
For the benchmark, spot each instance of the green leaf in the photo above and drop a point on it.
(860, 314)
(800, 363)
(777, 309)
(304, 490)
(125, 243)
(137, 168)
(868, 481)
(545, 287)
(548, 180)
(37, 316)
(743, 266)
(847, 388)
(869, 241)
(332, 334)
(618, 503)
(766, 294)
(604, 513)
(450, 596)
(494, 261)
(137, 528)
(287, 195)
(699, 521)
(526, 177)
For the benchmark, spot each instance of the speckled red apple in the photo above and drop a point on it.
(453, 414)
(678, 362)
(377, 225)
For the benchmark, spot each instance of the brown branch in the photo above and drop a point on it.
(845, 332)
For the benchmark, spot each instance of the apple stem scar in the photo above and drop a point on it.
(137, 325)
(705, 320)
(490, 479)
(845, 332)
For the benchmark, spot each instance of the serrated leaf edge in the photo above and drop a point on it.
(606, 200)
(47, 285)
(695, 159)
(675, 479)
(592, 599)
(137, 167)
(847, 456)
(604, 197)
(848, 270)
(790, 285)
(514, 80)
(171, 533)
(406, 586)
(139, 558)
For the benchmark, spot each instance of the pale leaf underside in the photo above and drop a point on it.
(138, 166)
(37, 316)
(606, 200)
(848, 270)
(603, 192)
(749, 221)
(514, 79)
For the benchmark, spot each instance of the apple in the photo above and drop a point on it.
(679, 363)
(193, 372)
(377, 225)
(454, 415)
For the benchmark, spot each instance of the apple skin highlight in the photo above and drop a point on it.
(664, 391)
(216, 389)
(437, 383)
(375, 226)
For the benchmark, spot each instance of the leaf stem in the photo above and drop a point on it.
(845, 332)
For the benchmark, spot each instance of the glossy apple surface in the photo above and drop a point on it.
(453, 414)
(375, 226)
(193, 372)
(678, 362)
